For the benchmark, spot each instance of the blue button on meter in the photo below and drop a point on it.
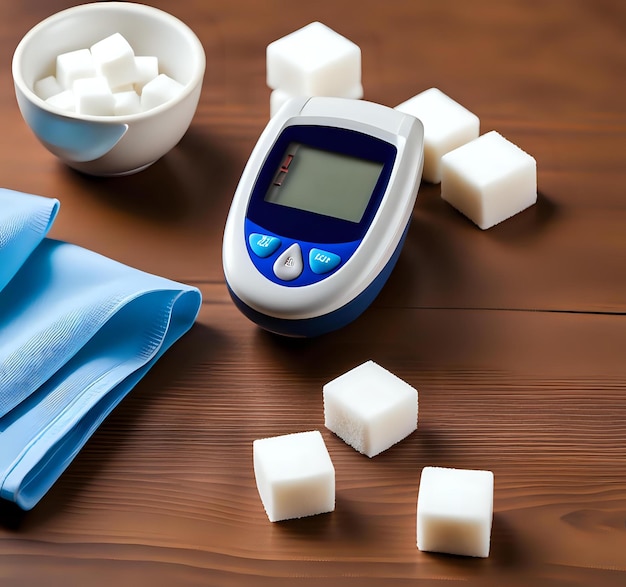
(322, 261)
(321, 212)
(263, 245)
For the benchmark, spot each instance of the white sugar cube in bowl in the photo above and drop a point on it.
(65, 101)
(73, 65)
(47, 87)
(93, 96)
(121, 143)
(370, 408)
(127, 102)
(159, 91)
(147, 68)
(114, 59)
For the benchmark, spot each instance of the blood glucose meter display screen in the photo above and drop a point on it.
(324, 182)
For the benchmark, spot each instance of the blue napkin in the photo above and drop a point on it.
(77, 332)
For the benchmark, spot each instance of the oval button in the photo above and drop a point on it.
(323, 261)
(263, 245)
(289, 264)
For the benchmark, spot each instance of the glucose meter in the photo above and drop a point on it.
(321, 212)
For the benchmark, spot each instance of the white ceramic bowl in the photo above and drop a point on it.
(110, 145)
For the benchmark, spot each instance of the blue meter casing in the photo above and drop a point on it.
(321, 212)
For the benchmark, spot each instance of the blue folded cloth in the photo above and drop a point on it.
(77, 332)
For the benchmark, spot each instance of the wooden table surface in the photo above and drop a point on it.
(515, 337)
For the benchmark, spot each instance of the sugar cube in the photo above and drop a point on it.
(294, 475)
(114, 59)
(455, 511)
(46, 87)
(489, 179)
(370, 408)
(74, 65)
(64, 100)
(447, 125)
(313, 61)
(279, 97)
(159, 90)
(124, 88)
(126, 103)
(147, 67)
(93, 96)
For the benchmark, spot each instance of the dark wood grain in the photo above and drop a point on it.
(515, 337)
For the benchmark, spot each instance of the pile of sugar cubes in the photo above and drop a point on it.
(313, 61)
(107, 79)
(371, 409)
(487, 178)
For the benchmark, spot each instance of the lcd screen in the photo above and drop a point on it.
(324, 182)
